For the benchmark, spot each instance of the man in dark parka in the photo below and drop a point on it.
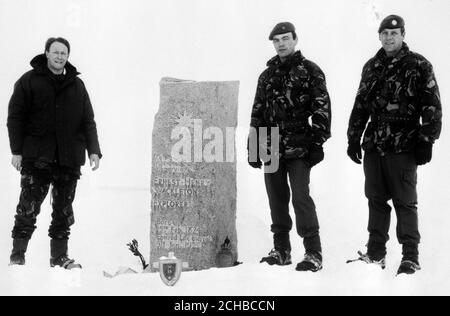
(51, 125)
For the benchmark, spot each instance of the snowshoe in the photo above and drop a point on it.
(311, 262)
(65, 263)
(408, 267)
(367, 259)
(278, 257)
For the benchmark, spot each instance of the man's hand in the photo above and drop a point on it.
(253, 149)
(16, 161)
(95, 161)
(424, 153)
(255, 164)
(354, 152)
(316, 155)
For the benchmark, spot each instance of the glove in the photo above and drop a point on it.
(316, 154)
(424, 153)
(354, 152)
(256, 164)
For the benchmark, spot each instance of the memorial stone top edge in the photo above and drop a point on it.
(169, 80)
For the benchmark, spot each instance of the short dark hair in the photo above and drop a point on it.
(402, 30)
(52, 40)
(294, 35)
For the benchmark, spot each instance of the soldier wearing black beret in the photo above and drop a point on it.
(399, 99)
(290, 92)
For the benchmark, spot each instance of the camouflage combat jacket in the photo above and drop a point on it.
(289, 95)
(401, 98)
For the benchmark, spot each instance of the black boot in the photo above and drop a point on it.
(59, 256)
(364, 257)
(408, 267)
(311, 262)
(410, 262)
(281, 253)
(376, 254)
(411, 252)
(376, 251)
(282, 241)
(18, 252)
(280, 257)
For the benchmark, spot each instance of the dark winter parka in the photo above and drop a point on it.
(289, 95)
(401, 98)
(50, 118)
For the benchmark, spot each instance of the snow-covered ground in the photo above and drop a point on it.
(101, 233)
(124, 48)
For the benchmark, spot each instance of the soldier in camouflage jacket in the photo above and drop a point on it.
(395, 93)
(288, 94)
(291, 91)
(399, 94)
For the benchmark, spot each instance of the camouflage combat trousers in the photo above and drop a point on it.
(279, 194)
(392, 177)
(35, 185)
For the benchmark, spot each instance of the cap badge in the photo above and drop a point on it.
(394, 22)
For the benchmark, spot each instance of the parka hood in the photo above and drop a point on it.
(39, 64)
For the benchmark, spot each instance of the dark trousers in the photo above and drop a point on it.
(392, 177)
(279, 194)
(35, 185)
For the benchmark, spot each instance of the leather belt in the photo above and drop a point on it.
(291, 125)
(394, 118)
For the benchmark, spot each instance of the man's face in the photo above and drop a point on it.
(57, 56)
(392, 40)
(284, 44)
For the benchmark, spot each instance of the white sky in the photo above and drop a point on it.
(123, 48)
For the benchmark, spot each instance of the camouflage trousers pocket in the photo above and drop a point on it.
(409, 176)
(64, 217)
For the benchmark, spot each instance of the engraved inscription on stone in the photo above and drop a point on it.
(173, 236)
(193, 182)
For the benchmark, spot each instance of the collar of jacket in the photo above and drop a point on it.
(294, 59)
(40, 65)
(382, 57)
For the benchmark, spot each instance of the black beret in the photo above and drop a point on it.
(392, 22)
(282, 28)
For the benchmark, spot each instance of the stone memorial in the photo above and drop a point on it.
(193, 181)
